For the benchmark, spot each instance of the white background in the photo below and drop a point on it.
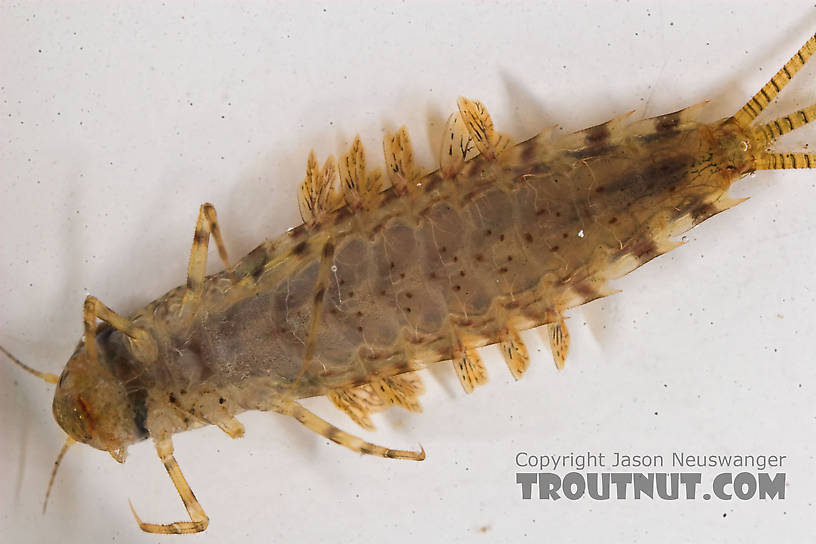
(117, 121)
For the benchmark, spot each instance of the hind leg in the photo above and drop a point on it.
(354, 443)
(198, 519)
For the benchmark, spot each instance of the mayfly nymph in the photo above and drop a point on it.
(384, 278)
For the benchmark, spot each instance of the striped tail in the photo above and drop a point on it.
(768, 133)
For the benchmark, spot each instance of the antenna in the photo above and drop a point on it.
(50, 378)
(68, 443)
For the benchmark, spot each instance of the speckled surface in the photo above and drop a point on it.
(116, 122)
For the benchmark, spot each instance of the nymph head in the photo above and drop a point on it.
(91, 403)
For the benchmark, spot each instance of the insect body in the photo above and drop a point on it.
(379, 283)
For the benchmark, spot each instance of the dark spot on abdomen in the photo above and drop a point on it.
(596, 135)
(668, 122)
(300, 249)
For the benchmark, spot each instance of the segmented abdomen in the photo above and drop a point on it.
(507, 243)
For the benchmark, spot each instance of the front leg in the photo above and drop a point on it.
(198, 519)
(142, 344)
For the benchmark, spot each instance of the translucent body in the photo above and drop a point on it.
(510, 242)
(348, 304)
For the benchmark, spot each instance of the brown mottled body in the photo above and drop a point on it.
(518, 240)
(349, 303)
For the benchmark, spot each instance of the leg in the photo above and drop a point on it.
(218, 417)
(326, 429)
(199, 519)
(231, 426)
(143, 345)
(206, 225)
